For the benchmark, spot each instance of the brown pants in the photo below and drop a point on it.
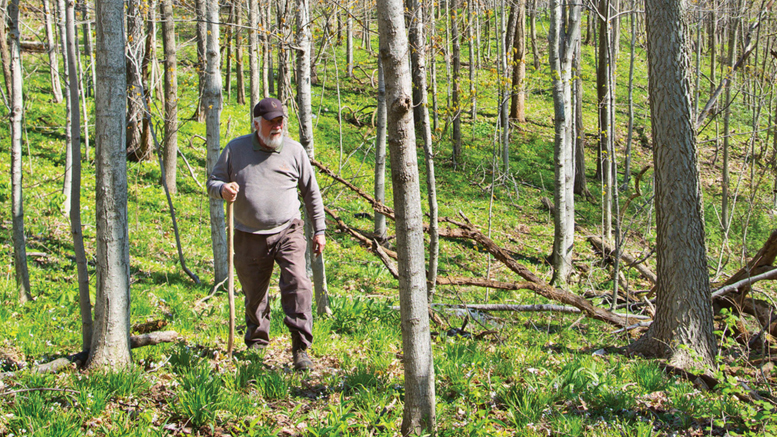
(255, 257)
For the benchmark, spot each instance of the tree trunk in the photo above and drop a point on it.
(456, 63)
(604, 98)
(202, 63)
(51, 45)
(433, 62)
(581, 183)
(561, 51)
(136, 48)
(682, 328)
(5, 56)
(630, 134)
(110, 338)
(253, 54)
(70, 43)
(504, 95)
(170, 152)
(533, 29)
(17, 196)
(380, 155)
(67, 180)
(228, 48)
(304, 101)
(349, 38)
(732, 54)
(267, 73)
(284, 62)
(212, 101)
(86, 29)
(419, 411)
(241, 88)
(517, 105)
(473, 106)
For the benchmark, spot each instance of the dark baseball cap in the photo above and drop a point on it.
(269, 109)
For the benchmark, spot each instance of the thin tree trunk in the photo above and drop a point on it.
(581, 182)
(136, 48)
(284, 29)
(170, 151)
(5, 56)
(240, 83)
(228, 48)
(110, 337)
(604, 94)
(202, 42)
(70, 54)
(253, 54)
(212, 101)
(304, 101)
(561, 52)
(51, 45)
(732, 54)
(473, 107)
(630, 134)
(456, 59)
(517, 101)
(533, 30)
(349, 38)
(504, 94)
(67, 182)
(86, 29)
(433, 62)
(419, 410)
(380, 156)
(267, 74)
(17, 196)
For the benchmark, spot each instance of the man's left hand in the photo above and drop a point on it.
(319, 241)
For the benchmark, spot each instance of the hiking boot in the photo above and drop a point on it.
(301, 360)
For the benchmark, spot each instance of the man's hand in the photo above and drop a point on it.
(319, 241)
(229, 191)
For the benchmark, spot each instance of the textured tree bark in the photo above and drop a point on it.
(84, 300)
(304, 47)
(533, 30)
(561, 50)
(51, 45)
(17, 195)
(473, 62)
(517, 97)
(136, 48)
(581, 182)
(110, 337)
(253, 54)
(228, 49)
(5, 56)
(211, 97)
(67, 180)
(283, 18)
(170, 147)
(605, 101)
(682, 329)
(419, 411)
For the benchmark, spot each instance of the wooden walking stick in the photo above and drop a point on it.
(231, 275)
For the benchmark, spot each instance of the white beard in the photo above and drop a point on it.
(271, 142)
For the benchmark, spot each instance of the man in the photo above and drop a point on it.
(261, 173)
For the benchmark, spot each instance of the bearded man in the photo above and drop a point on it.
(261, 173)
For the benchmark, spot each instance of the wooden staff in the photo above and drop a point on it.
(231, 275)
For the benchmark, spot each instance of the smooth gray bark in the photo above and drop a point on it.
(211, 97)
(51, 48)
(419, 410)
(380, 155)
(84, 300)
(561, 52)
(682, 327)
(304, 48)
(17, 195)
(170, 147)
(110, 336)
(67, 180)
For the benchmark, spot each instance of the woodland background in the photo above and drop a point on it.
(512, 354)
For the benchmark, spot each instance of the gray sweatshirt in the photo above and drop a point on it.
(267, 201)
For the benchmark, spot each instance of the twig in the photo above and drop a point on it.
(24, 390)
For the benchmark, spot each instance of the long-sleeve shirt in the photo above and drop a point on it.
(267, 201)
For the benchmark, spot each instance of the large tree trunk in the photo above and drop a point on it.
(212, 101)
(419, 411)
(70, 55)
(51, 45)
(561, 52)
(682, 328)
(517, 105)
(110, 338)
(304, 100)
(170, 151)
(136, 48)
(17, 196)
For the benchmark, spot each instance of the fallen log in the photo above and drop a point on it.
(152, 338)
(608, 250)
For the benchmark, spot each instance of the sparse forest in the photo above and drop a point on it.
(543, 217)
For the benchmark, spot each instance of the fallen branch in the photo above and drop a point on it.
(152, 338)
(512, 308)
(608, 250)
(377, 206)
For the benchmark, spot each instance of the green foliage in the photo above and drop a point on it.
(199, 395)
(350, 316)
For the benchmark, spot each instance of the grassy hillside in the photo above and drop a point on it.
(508, 374)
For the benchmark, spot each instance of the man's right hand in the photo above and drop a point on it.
(229, 191)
